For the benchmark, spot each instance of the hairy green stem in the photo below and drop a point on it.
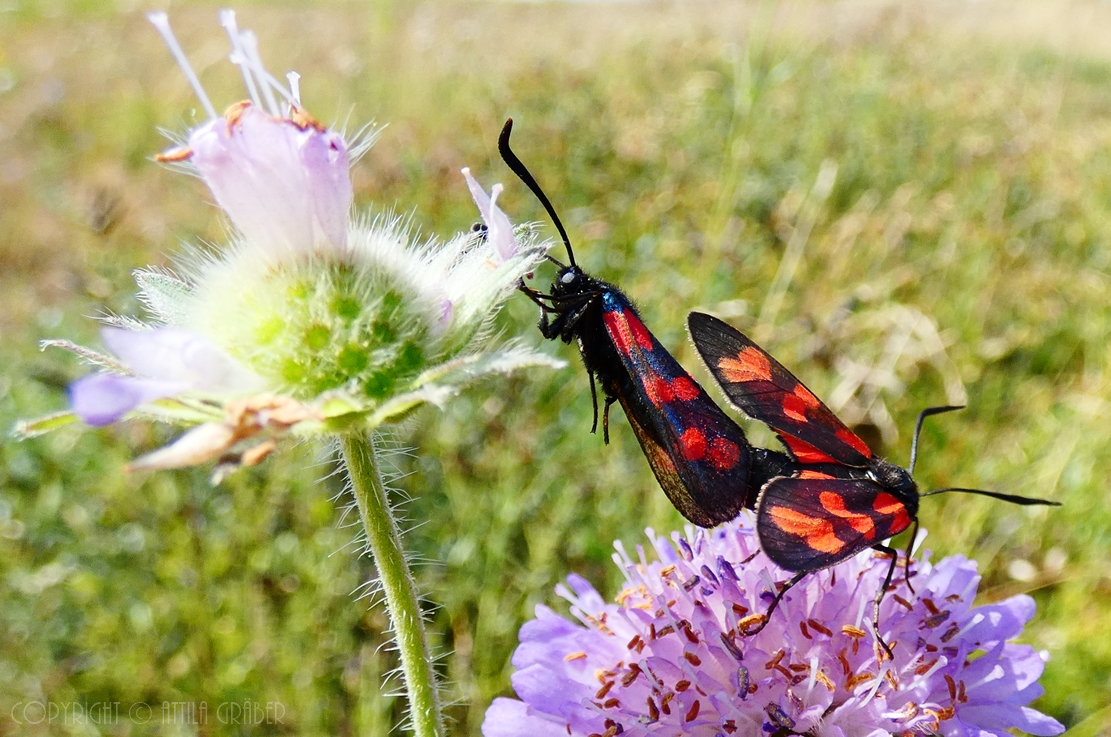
(384, 540)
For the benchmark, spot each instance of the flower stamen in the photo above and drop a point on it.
(161, 21)
(245, 55)
(294, 80)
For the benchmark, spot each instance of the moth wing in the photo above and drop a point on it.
(811, 522)
(763, 389)
(699, 454)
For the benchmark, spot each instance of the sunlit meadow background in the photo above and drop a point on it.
(909, 204)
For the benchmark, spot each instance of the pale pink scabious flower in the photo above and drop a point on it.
(312, 319)
(666, 658)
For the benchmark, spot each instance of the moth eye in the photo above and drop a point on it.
(567, 278)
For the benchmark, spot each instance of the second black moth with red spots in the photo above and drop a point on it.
(837, 497)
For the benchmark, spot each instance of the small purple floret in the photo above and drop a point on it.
(165, 362)
(667, 659)
(101, 399)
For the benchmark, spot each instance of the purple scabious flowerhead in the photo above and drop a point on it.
(312, 319)
(667, 659)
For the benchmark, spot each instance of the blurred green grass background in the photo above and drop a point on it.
(908, 204)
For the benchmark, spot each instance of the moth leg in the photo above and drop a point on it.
(535, 295)
(546, 328)
(606, 419)
(559, 304)
(775, 602)
(879, 597)
(567, 310)
(571, 314)
(544, 324)
(906, 568)
(594, 398)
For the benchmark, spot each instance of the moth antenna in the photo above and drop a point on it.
(918, 429)
(1025, 501)
(525, 176)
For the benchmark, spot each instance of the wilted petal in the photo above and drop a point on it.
(101, 399)
(201, 444)
(179, 355)
(499, 231)
(284, 183)
(244, 419)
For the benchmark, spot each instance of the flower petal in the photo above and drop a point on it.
(512, 718)
(499, 231)
(179, 355)
(324, 158)
(286, 187)
(481, 199)
(101, 399)
(1034, 722)
(1003, 620)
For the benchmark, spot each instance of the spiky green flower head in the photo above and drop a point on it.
(310, 320)
(363, 323)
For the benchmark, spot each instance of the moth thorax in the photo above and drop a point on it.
(892, 477)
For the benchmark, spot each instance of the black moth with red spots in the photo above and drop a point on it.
(836, 498)
(698, 453)
(840, 498)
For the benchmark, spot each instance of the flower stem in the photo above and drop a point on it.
(384, 540)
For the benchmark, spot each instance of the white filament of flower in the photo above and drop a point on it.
(161, 21)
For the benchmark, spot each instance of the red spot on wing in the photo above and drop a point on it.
(794, 407)
(640, 333)
(889, 506)
(619, 331)
(625, 328)
(813, 475)
(750, 365)
(806, 397)
(724, 454)
(849, 438)
(685, 389)
(805, 452)
(835, 504)
(658, 389)
(815, 531)
(694, 444)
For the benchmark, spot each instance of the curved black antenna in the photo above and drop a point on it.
(525, 176)
(918, 429)
(1025, 501)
